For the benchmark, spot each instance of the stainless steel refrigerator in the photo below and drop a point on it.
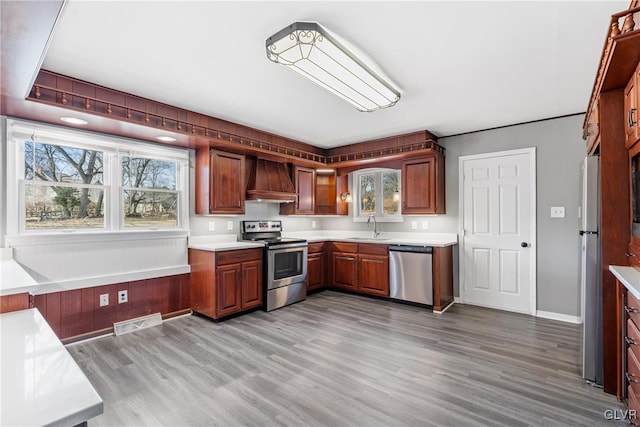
(590, 272)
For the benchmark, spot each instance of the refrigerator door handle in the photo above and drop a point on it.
(583, 232)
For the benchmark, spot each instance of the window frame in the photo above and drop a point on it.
(358, 216)
(113, 149)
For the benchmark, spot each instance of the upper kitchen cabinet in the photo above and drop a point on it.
(329, 187)
(592, 128)
(631, 101)
(304, 183)
(220, 182)
(423, 188)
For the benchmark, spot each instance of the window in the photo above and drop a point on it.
(377, 192)
(66, 180)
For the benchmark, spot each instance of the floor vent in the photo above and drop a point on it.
(120, 328)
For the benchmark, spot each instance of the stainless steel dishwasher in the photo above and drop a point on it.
(411, 273)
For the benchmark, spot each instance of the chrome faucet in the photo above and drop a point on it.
(376, 233)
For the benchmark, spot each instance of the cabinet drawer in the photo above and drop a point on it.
(633, 338)
(633, 404)
(633, 309)
(633, 371)
(373, 248)
(316, 247)
(234, 257)
(345, 247)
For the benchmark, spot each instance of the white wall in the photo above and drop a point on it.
(74, 261)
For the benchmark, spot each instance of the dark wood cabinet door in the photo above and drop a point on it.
(630, 111)
(315, 271)
(251, 284)
(304, 181)
(227, 184)
(228, 289)
(420, 186)
(344, 270)
(373, 274)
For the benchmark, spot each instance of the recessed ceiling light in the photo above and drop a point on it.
(165, 138)
(74, 121)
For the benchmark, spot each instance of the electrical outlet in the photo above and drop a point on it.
(313, 224)
(230, 225)
(414, 225)
(557, 212)
(212, 226)
(123, 296)
(425, 225)
(104, 300)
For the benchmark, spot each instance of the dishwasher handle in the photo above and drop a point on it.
(407, 248)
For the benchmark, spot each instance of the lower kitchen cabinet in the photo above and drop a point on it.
(226, 282)
(344, 271)
(361, 268)
(373, 274)
(316, 267)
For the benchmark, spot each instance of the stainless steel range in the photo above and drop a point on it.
(285, 260)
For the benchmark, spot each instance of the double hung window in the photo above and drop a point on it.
(66, 180)
(377, 192)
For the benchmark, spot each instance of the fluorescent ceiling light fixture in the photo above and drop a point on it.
(165, 138)
(309, 50)
(74, 121)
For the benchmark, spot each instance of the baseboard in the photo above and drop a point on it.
(456, 300)
(577, 320)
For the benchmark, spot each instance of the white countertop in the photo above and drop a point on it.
(13, 278)
(41, 383)
(419, 239)
(629, 277)
(220, 242)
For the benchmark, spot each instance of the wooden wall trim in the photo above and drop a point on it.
(70, 93)
(76, 314)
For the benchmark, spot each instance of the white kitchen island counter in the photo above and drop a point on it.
(41, 384)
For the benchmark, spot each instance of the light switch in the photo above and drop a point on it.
(557, 212)
(414, 225)
(230, 225)
(425, 225)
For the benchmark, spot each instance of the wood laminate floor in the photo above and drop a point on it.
(345, 360)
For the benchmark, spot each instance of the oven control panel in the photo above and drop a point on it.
(261, 226)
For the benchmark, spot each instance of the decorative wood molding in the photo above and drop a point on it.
(66, 92)
(621, 50)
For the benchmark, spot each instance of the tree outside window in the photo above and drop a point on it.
(377, 193)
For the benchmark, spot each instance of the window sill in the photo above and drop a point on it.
(71, 237)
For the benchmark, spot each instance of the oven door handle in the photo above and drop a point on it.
(287, 247)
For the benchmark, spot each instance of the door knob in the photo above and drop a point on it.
(524, 244)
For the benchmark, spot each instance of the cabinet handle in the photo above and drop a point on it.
(629, 254)
(630, 118)
(630, 309)
(587, 133)
(630, 341)
(631, 378)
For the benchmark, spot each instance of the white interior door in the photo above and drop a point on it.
(497, 212)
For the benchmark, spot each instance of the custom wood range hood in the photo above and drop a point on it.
(269, 181)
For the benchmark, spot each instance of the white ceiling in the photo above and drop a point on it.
(460, 66)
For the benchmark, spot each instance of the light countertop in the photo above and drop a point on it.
(41, 383)
(220, 242)
(417, 239)
(629, 277)
(12, 275)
